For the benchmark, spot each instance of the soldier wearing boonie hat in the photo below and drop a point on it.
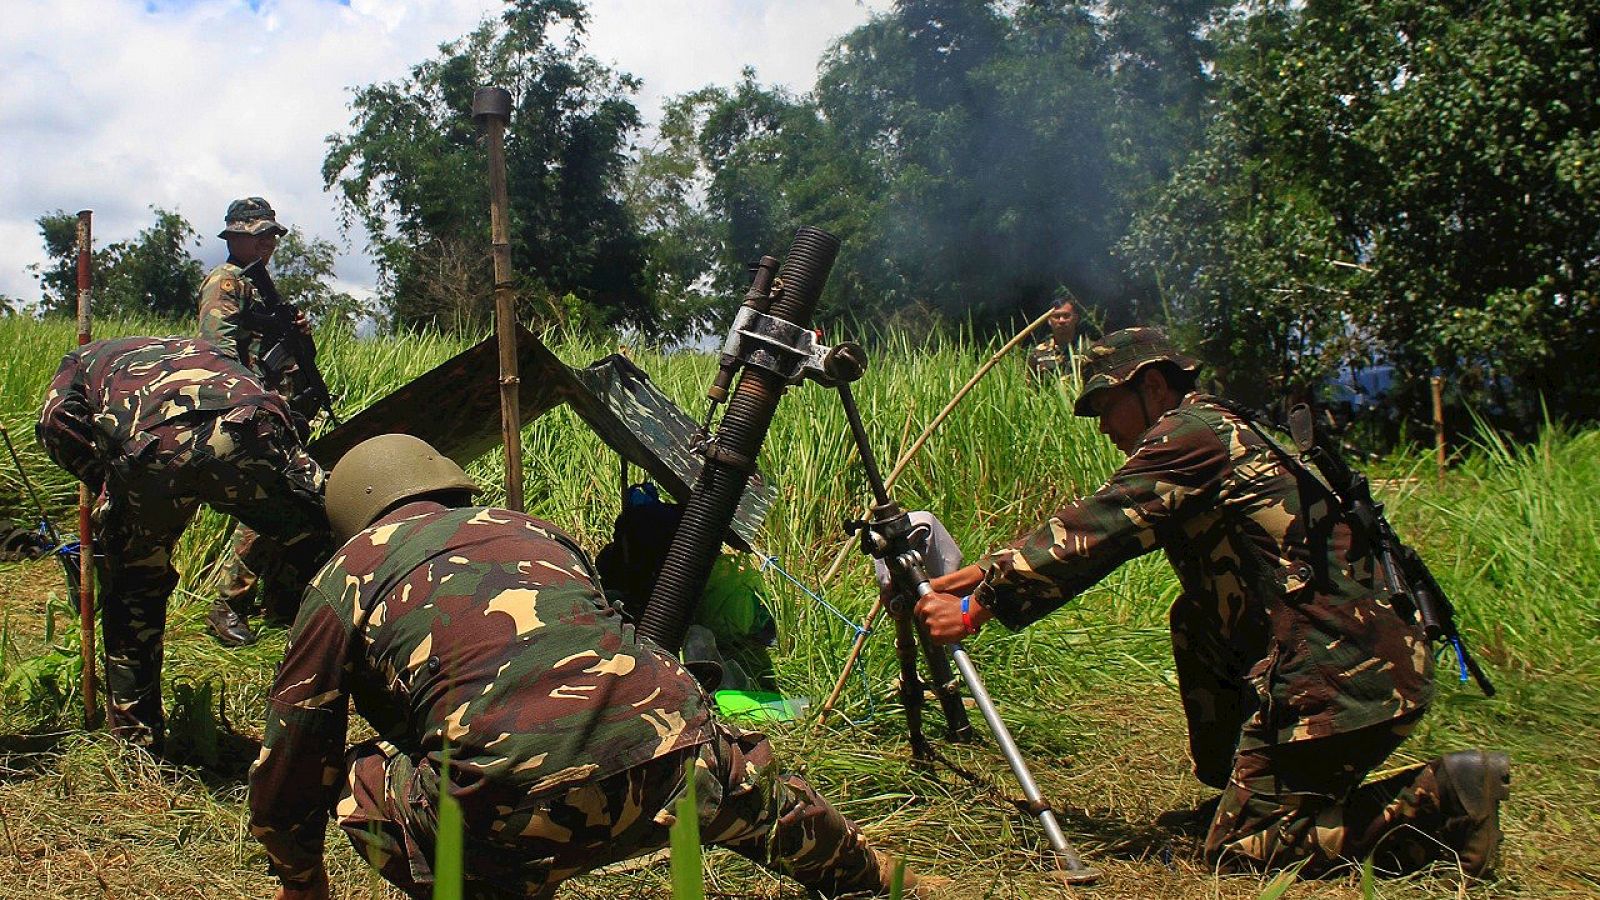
(1118, 358)
(251, 215)
(251, 229)
(1297, 671)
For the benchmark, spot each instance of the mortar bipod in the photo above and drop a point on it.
(888, 535)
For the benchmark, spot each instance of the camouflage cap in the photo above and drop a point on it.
(251, 215)
(1116, 358)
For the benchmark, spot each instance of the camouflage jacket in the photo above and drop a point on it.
(225, 294)
(478, 630)
(1291, 589)
(107, 395)
(1047, 360)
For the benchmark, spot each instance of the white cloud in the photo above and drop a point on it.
(118, 105)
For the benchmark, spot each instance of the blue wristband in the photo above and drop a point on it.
(966, 615)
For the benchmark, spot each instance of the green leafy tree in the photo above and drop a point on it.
(152, 273)
(58, 277)
(155, 271)
(302, 268)
(412, 172)
(1408, 183)
(972, 157)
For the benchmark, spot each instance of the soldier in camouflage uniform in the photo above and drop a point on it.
(1298, 672)
(480, 636)
(1052, 359)
(157, 427)
(251, 230)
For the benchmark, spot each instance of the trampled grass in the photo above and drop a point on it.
(1089, 694)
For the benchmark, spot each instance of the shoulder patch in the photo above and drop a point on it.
(229, 284)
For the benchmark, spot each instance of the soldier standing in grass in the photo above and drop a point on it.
(228, 296)
(1052, 359)
(477, 643)
(1298, 672)
(158, 426)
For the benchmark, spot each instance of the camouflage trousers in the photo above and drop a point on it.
(1304, 800)
(254, 570)
(388, 809)
(242, 462)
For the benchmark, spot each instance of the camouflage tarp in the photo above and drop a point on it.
(456, 407)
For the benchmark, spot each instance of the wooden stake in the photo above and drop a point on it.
(1437, 384)
(491, 109)
(86, 624)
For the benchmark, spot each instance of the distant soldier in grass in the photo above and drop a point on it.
(158, 427)
(230, 318)
(1052, 359)
(478, 644)
(1298, 673)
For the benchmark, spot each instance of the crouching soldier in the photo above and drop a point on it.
(477, 643)
(1300, 671)
(157, 427)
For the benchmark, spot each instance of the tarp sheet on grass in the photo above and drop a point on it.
(456, 408)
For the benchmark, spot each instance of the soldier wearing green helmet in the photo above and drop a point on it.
(1298, 670)
(477, 642)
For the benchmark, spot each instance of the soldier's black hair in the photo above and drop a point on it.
(1181, 381)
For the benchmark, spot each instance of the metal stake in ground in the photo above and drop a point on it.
(491, 110)
(91, 706)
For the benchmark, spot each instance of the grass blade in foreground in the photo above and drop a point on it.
(688, 879)
(447, 862)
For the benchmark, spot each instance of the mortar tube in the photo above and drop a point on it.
(716, 494)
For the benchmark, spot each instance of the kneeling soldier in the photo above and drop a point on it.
(157, 427)
(477, 643)
(1299, 670)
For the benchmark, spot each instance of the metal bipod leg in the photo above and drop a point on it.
(911, 700)
(1071, 869)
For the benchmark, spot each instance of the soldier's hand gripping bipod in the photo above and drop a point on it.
(889, 536)
(775, 349)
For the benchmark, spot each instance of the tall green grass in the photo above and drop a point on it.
(1511, 536)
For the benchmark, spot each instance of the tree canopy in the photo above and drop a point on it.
(412, 171)
(1403, 183)
(973, 157)
(155, 274)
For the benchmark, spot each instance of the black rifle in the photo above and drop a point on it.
(275, 319)
(1407, 577)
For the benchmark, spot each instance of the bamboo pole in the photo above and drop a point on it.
(860, 642)
(91, 705)
(491, 109)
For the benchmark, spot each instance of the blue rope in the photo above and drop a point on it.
(860, 632)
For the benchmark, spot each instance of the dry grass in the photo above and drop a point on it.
(82, 816)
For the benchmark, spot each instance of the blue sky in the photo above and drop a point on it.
(120, 105)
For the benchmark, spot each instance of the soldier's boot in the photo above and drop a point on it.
(878, 881)
(227, 626)
(1195, 821)
(1471, 785)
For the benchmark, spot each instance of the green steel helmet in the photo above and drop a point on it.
(382, 471)
(1116, 358)
(251, 215)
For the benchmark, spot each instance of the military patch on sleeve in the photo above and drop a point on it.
(229, 284)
